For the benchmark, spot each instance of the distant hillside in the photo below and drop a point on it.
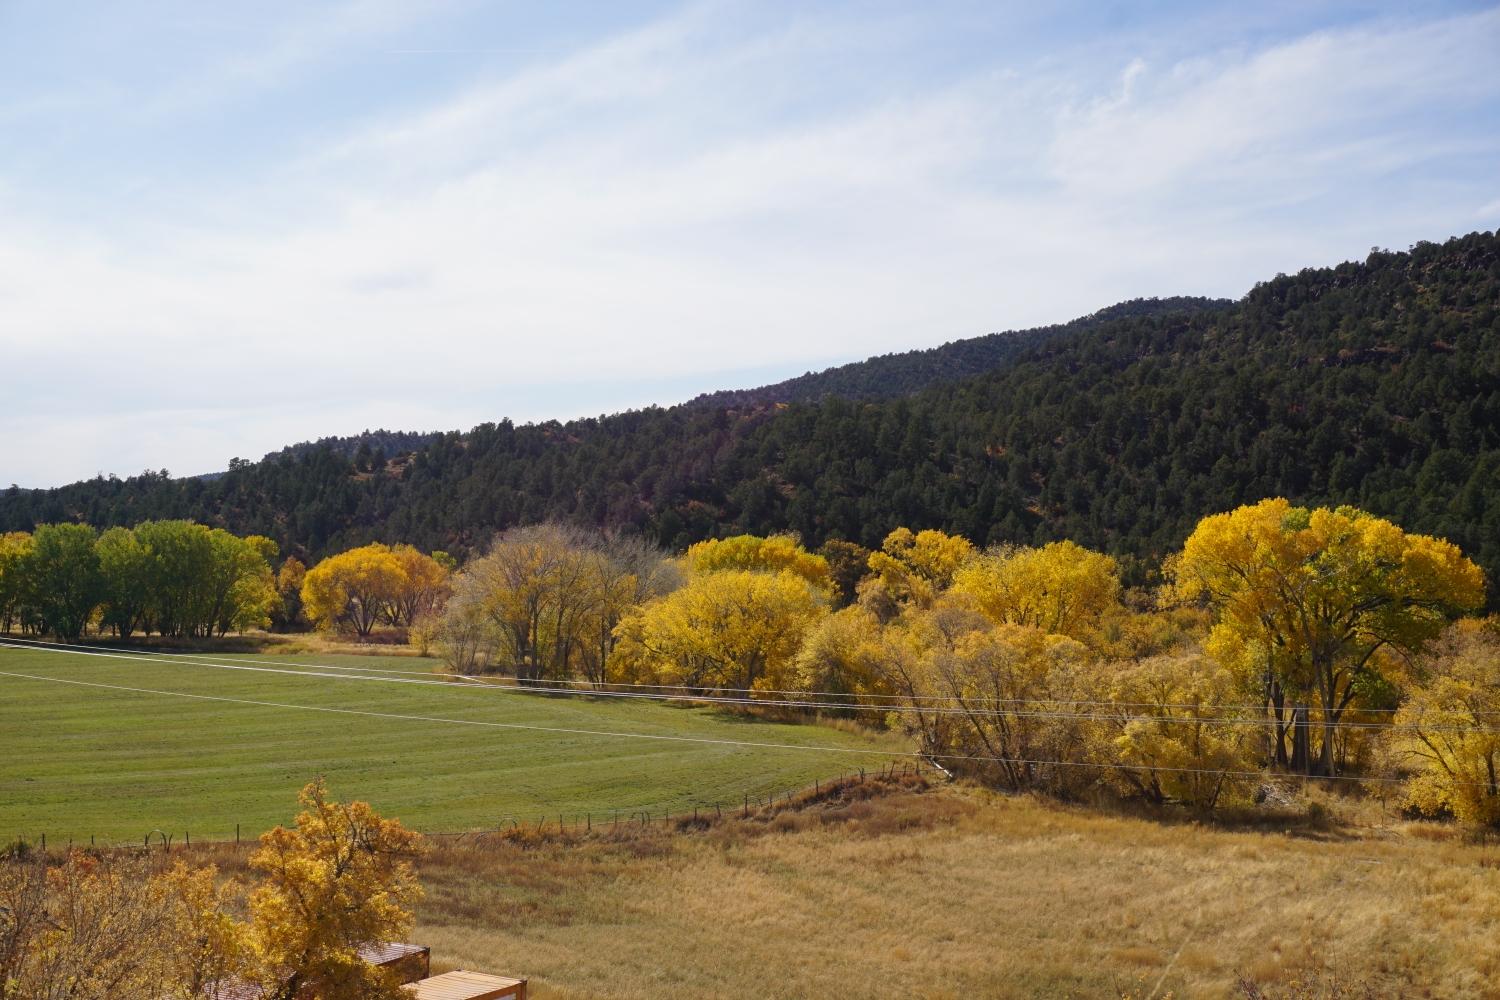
(1375, 383)
(390, 442)
(889, 375)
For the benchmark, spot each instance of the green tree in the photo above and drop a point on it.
(241, 591)
(182, 564)
(63, 578)
(126, 566)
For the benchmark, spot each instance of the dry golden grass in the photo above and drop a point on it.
(960, 893)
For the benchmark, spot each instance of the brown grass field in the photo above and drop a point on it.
(894, 888)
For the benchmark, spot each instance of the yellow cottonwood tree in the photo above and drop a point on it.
(14, 547)
(731, 629)
(423, 587)
(1172, 736)
(841, 653)
(1319, 593)
(1449, 725)
(336, 883)
(206, 945)
(917, 567)
(769, 555)
(1061, 588)
(353, 589)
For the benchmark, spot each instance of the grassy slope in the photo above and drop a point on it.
(958, 893)
(82, 761)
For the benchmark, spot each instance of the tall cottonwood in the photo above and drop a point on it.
(1313, 596)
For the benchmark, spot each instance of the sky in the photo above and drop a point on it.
(225, 228)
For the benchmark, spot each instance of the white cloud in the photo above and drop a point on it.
(656, 207)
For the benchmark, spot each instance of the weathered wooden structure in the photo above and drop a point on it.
(462, 985)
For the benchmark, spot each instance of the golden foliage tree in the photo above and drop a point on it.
(91, 928)
(842, 653)
(1173, 738)
(1313, 596)
(733, 629)
(14, 547)
(207, 944)
(1061, 588)
(336, 883)
(1449, 727)
(353, 590)
(423, 586)
(917, 567)
(767, 555)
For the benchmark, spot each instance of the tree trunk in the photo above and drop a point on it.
(1301, 740)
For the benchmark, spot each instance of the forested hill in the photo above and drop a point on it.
(382, 441)
(1375, 383)
(890, 375)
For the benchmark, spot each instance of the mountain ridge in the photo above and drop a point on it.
(1374, 383)
(907, 372)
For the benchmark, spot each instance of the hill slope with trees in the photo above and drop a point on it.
(890, 375)
(1375, 383)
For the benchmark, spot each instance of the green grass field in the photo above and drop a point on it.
(86, 759)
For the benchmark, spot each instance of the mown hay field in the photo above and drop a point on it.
(954, 892)
(112, 747)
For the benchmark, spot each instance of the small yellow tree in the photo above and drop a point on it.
(1449, 726)
(1173, 738)
(335, 884)
(841, 653)
(90, 927)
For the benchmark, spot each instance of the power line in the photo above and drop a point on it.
(914, 754)
(688, 690)
(312, 670)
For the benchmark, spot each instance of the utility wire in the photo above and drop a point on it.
(708, 694)
(912, 754)
(313, 670)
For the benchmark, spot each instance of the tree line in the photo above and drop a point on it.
(174, 578)
(186, 580)
(1375, 383)
(1283, 640)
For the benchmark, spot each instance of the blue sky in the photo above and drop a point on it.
(224, 228)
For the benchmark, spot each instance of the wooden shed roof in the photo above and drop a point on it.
(393, 952)
(461, 985)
